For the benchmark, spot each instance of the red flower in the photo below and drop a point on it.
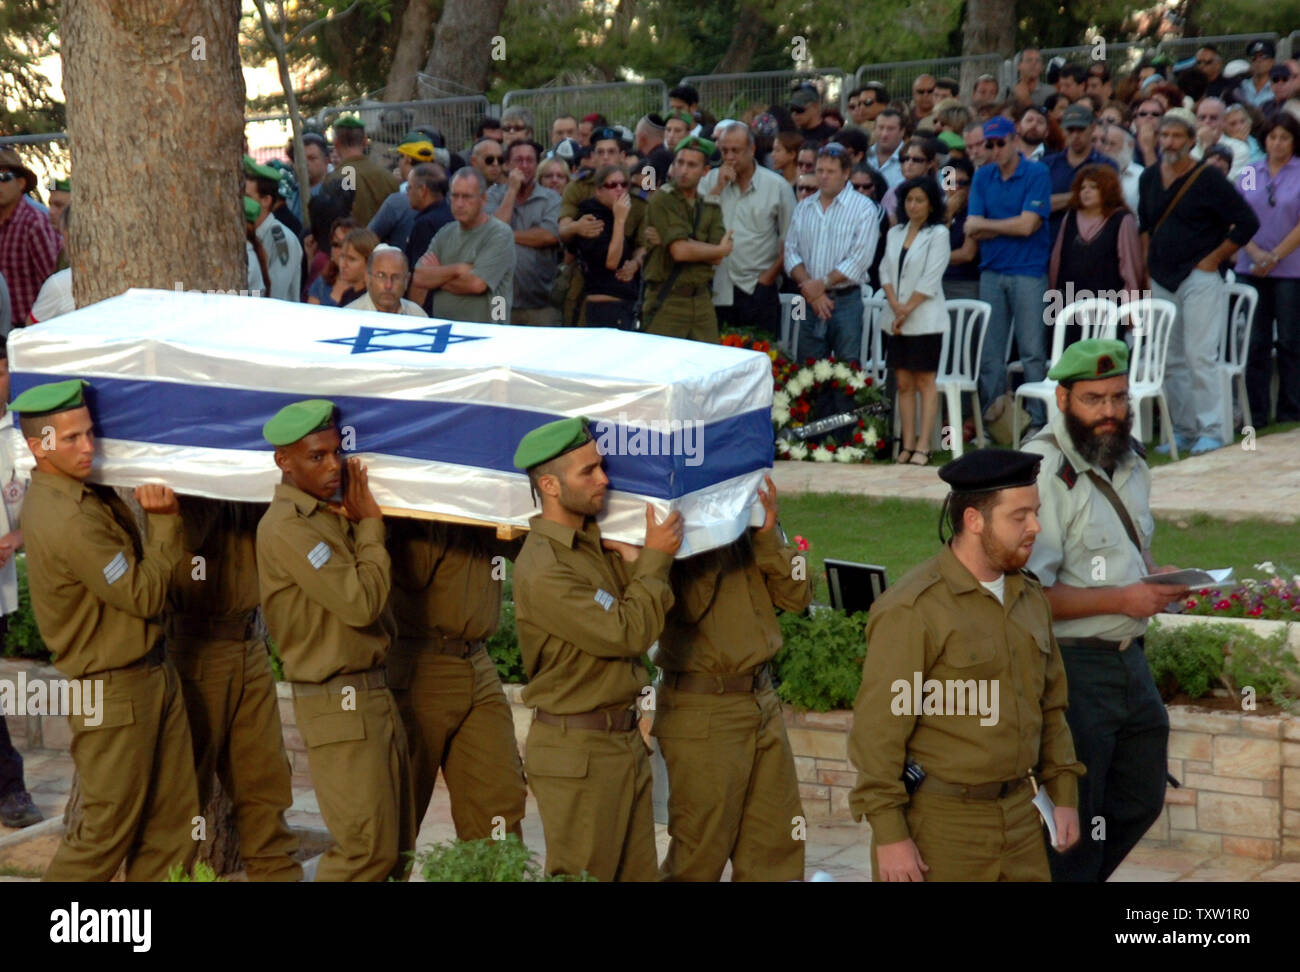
(870, 382)
(857, 437)
(1190, 603)
(830, 446)
(1222, 605)
(1256, 611)
(801, 543)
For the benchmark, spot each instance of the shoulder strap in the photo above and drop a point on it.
(1179, 197)
(676, 271)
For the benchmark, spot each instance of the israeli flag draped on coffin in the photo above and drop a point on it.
(181, 384)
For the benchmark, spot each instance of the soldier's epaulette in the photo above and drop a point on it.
(1068, 474)
(912, 585)
(1139, 447)
(1031, 575)
(667, 187)
(708, 201)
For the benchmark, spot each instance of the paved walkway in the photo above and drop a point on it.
(1232, 483)
(842, 850)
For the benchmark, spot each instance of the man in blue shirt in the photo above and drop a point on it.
(1010, 202)
(1062, 167)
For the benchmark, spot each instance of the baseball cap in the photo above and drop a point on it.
(1265, 47)
(805, 96)
(1076, 116)
(999, 126)
(570, 150)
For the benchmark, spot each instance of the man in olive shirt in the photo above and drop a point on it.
(691, 241)
(447, 602)
(470, 265)
(585, 618)
(325, 578)
(733, 792)
(963, 683)
(96, 588)
(227, 683)
(356, 170)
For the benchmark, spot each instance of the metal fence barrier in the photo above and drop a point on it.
(731, 95)
(386, 122)
(897, 76)
(621, 102)
(1231, 46)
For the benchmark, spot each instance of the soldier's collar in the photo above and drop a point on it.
(304, 502)
(67, 485)
(561, 534)
(960, 580)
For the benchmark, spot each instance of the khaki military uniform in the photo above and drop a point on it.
(1119, 722)
(686, 311)
(96, 591)
(447, 602)
(585, 619)
(227, 683)
(372, 182)
(733, 793)
(575, 193)
(325, 583)
(940, 624)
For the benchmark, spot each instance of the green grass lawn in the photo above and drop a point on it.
(899, 534)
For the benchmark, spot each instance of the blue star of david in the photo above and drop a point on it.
(404, 339)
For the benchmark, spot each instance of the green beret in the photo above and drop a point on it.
(1091, 359)
(252, 209)
(550, 440)
(349, 121)
(255, 171)
(54, 396)
(298, 419)
(681, 116)
(697, 143)
(952, 140)
(61, 185)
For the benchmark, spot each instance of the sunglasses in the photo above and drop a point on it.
(803, 189)
(8, 176)
(923, 91)
(514, 128)
(992, 143)
(1272, 194)
(1148, 114)
(963, 183)
(807, 166)
(493, 159)
(864, 186)
(918, 159)
(614, 185)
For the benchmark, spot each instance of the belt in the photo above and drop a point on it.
(617, 720)
(375, 678)
(844, 290)
(718, 684)
(978, 791)
(1101, 643)
(212, 629)
(691, 290)
(439, 644)
(154, 656)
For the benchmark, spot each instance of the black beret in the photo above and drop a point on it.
(984, 470)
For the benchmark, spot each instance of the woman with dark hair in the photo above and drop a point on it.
(611, 262)
(785, 150)
(919, 158)
(1096, 251)
(1271, 264)
(1056, 105)
(326, 289)
(916, 256)
(962, 278)
(871, 183)
(350, 261)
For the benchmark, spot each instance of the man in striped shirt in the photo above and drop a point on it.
(828, 251)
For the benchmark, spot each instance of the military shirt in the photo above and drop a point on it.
(585, 618)
(96, 587)
(939, 623)
(325, 583)
(372, 182)
(443, 579)
(1083, 542)
(223, 585)
(723, 621)
(672, 216)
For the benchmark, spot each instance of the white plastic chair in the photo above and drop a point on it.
(789, 339)
(872, 355)
(1149, 322)
(1234, 346)
(959, 364)
(1097, 316)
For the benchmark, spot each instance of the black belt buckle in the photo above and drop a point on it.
(1009, 787)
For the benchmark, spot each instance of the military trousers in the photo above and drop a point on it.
(1121, 734)
(976, 840)
(356, 750)
(594, 795)
(732, 790)
(457, 719)
(235, 727)
(139, 797)
(692, 318)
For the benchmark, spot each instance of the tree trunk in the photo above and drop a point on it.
(989, 28)
(746, 34)
(462, 44)
(155, 122)
(412, 48)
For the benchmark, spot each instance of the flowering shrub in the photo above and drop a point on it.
(1273, 598)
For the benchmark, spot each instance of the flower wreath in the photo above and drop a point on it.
(792, 404)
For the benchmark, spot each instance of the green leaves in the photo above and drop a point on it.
(820, 665)
(486, 860)
(23, 638)
(1197, 658)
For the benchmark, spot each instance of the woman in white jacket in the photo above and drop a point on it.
(911, 274)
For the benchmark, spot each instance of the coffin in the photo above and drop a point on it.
(181, 384)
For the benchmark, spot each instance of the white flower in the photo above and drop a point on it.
(822, 370)
(1267, 567)
(780, 399)
(822, 454)
(794, 388)
(841, 371)
(798, 451)
(781, 416)
(870, 436)
(805, 377)
(848, 454)
(855, 384)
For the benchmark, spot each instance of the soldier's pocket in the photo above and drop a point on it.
(968, 653)
(333, 727)
(555, 762)
(680, 724)
(112, 714)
